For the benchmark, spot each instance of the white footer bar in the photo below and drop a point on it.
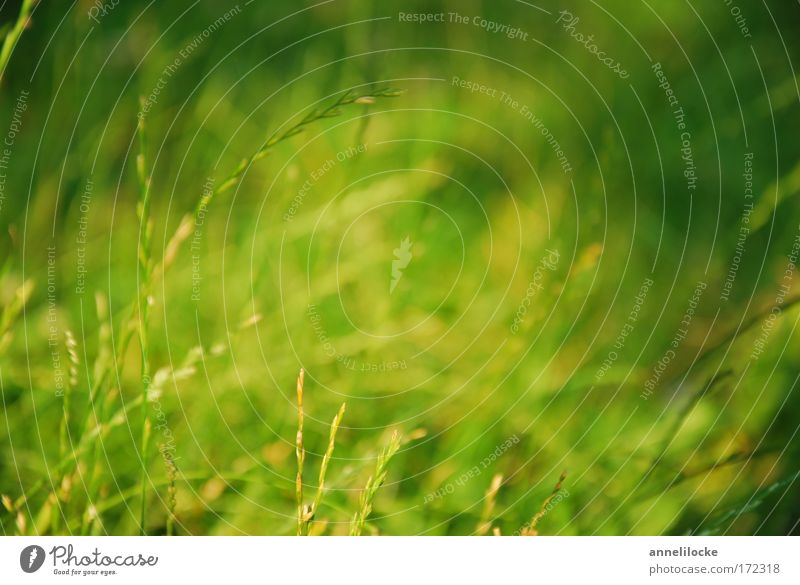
(401, 560)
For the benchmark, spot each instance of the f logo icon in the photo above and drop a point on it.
(31, 558)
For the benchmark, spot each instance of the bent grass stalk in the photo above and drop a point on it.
(530, 528)
(488, 505)
(335, 109)
(11, 313)
(13, 35)
(95, 428)
(672, 431)
(144, 273)
(172, 474)
(301, 454)
(86, 441)
(324, 467)
(101, 362)
(373, 485)
(91, 518)
(186, 226)
(64, 431)
(305, 514)
(93, 436)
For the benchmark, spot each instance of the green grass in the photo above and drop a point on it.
(340, 208)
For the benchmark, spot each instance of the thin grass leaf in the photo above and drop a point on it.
(324, 466)
(300, 453)
(373, 485)
(488, 505)
(530, 528)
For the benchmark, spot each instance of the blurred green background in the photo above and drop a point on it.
(301, 253)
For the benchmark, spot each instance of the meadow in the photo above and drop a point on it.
(418, 268)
